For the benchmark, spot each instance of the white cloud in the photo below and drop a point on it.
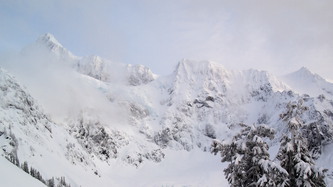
(61, 91)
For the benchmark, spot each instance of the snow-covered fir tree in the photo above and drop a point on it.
(296, 159)
(294, 153)
(250, 163)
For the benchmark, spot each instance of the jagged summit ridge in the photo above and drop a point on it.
(189, 69)
(212, 78)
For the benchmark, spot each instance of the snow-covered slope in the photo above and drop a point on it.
(28, 135)
(12, 176)
(83, 147)
(95, 158)
(107, 121)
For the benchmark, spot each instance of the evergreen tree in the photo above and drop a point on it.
(296, 159)
(248, 155)
(25, 167)
(63, 183)
(50, 182)
(32, 172)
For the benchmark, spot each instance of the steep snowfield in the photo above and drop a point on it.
(12, 176)
(110, 124)
(28, 135)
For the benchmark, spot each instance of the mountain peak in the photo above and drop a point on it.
(49, 40)
(306, 82)
(304, 70)
(305, 73)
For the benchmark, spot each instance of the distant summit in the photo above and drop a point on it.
(304, 72)
(306, 82)
(49, 40)
(50, 43)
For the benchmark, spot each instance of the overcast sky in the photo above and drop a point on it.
(275, 35)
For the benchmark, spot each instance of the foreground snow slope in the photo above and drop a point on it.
(12, 176)
(111, 124)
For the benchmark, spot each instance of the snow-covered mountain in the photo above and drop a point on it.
(103, 122)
